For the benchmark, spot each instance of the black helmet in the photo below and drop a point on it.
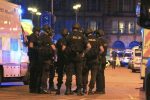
(76, 26)
(36, 28)
(48, 30)
(89, 31)
(64, 32)
(99, 33)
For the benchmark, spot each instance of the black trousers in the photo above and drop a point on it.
(70, 69)
(35, 76)
(60, 72)
(45, 74)
(93, 67)
(52, 74)
(100, 79)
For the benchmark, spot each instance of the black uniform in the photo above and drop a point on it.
(114, 56)
(34, 85)
(100, 79)
(76, 44)
(45, 57)
(61, 62)
(92, 61)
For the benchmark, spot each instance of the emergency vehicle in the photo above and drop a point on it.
(13, 54)
(136, 62)
(145, 51)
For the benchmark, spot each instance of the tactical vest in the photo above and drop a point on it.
(45, 50)
(93, 53)
(77, 43)
(104, 44)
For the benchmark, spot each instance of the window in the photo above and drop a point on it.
(130, 27)
(14, 44)
(93, 25)
(5, 56)
(126, 5)
(115, 27)
(121, 27)
(0, 43)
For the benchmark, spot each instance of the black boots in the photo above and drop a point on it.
(90, 92)
(68, 91)
(84, 90)
(58, 92)
(79, 92)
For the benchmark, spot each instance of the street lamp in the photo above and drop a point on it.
(33, 11)
(38, 14)
(76, 7)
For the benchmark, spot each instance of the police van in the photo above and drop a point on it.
(13, 54)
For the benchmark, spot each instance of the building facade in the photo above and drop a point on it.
(116, 17)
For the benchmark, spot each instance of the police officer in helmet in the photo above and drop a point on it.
(92, 59)
(100, 78)
(76, 44)
(34, 86)
(62, 58)
(46, 52)
(47, 29)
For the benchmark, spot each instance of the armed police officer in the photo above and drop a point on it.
(92, 59)
(76, 44)
(100, 78)
(34, 69)
(50, 32)
(46, 52)
(62, 58)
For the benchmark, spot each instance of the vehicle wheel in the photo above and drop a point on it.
(147, 89)
(128, 66)
(1, 76)
(25, 79)
(133, 70)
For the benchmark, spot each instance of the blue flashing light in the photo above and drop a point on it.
(20, 11)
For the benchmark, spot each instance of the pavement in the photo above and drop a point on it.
(121, 84)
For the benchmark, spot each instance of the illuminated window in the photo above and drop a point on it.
(5, 56)
(93, 25)
(14, 44)
(121, 27)
(115, 27)
(131, 27)
(0, 43)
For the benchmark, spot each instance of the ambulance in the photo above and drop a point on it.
(135, 62)
(145, 51)
(13, 54)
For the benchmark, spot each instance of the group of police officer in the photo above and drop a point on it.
(77, 53)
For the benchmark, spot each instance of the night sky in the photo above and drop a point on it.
(41, 5)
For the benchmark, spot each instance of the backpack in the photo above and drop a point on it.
(45, 51)
(93, 53)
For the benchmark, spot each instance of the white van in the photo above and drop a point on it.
(13, 55)
(136, 62)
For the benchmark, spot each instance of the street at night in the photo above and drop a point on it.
(44, 42)
(121, 84)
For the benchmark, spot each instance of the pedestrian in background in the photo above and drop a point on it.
(117, 61)
(114, 56)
